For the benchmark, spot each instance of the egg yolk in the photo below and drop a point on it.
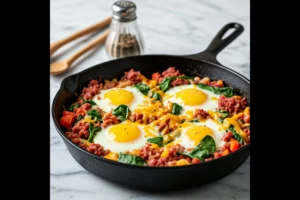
(197, 133)
(124, 132)
(119, 96)
(191, 96)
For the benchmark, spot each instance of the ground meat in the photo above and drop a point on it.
(109, 119)
(200, 114)
(179, 81)
(227, 136)
(97, 149)
(153, 156)
(134, 76)
(90, 91)
(165, 127)
(171, 71)
(82, 129)
(139, 117)
(231, 105)
(76, 139)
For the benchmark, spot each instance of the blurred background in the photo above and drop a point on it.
(169, 27)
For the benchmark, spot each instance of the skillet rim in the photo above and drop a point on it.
(61, 133)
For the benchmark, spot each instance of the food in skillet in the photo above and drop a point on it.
(168, 120)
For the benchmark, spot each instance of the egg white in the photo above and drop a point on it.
(107, 106)
(209, 104)
(218, 133)
(102, 137)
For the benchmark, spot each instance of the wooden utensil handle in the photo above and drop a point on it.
(101, 39)
(56, 45)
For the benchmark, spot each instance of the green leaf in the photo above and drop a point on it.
(165, 85)
(131, 159)
(226, 91)
(223, 113)
(156, 140)
(73, 105)
(121, 112)
(95, 114)
(194, 120)
(90, 102)
(204, 149)
(143, 88)
(92, 131)
(156, 96)
(176, 109)
(187, 77)
(78, 119)
(236, 135)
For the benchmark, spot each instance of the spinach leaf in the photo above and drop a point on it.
(226, 91)
(95, 114)
(92, 131)
(78, 119)
(194, 120)
(156, 96)
(165, 85)
(236, 135)
(73, 105)
(223, 113)
(90, 102)
(176, 109)
(187, 77)
(131, 159)
(156, 140)
(122, 112)
(204, 149)
(142, 88)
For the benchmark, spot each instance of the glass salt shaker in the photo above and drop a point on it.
(125, 38)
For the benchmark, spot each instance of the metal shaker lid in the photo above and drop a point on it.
(124, 11)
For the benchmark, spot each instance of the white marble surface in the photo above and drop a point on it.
(169, 27)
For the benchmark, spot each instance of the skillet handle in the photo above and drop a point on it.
(219, 43)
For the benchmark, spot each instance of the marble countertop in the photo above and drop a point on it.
(169, 27)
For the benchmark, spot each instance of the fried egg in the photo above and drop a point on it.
(125, 136)
(191, 97)
(112, 98)
(192, 133)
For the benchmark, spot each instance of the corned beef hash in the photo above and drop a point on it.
(169, 120)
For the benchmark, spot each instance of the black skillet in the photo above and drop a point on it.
(157, 178)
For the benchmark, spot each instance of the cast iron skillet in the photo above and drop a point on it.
(157, 178)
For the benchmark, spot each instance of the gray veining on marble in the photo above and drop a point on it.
(170, 27)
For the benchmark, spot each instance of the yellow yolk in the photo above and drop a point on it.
(191, 96)
(119, 96)
(112, 156)
(197, 133)
(124, 132)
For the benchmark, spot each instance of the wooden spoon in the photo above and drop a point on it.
(62, 66)
(56, 45)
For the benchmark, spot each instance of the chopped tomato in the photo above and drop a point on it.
(196, 160)
(234, 145)
(80, 111)
(225, 152)
(65, 112)
(67, 120)
(155, 76)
